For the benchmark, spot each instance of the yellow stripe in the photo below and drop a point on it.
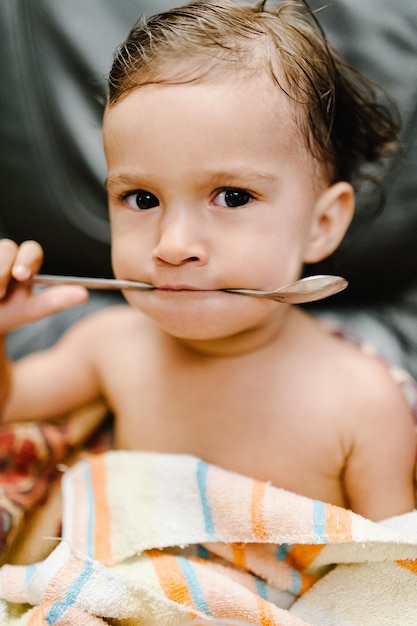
(102, 525)
(265, 613)
(239, 555)
(257, 512)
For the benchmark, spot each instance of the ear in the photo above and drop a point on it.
(333, 213)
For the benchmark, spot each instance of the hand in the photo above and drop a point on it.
(18, 305)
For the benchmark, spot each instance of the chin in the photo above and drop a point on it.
(203, 317)
(199, 326)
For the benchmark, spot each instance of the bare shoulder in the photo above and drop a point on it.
(359, 376)
(103, 333)
(354, 388)
(373, 422)
(110, 314)
(112, 320)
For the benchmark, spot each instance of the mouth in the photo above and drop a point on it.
(182, 289)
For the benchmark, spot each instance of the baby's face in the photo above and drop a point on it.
(210, 186)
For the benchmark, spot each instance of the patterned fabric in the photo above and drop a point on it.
(161, 539)
(31, 455)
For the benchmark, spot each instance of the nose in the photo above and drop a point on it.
(180, 240)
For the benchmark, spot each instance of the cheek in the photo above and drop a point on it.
(117, 262)
(116, 245)
(126, 254)
(277, 261)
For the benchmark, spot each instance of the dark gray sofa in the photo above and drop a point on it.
(54, 55)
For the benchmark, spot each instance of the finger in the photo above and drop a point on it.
(8, 252)
(28, 260)
(52, 300)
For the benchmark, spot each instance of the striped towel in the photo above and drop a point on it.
(161, 539)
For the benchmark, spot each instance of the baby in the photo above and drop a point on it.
(233, 134)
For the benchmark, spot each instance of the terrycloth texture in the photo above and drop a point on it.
(160, 539)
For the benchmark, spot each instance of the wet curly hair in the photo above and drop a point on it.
(346, 120)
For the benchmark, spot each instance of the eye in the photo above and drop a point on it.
(141, 200)
(232, 198)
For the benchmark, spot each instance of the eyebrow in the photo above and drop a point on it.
(247, 175)
(126, 179)
(240, 175)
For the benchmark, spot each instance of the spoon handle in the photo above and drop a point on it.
(90, 283)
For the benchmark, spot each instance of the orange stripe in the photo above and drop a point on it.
(265, 613)
(239, 555)
(411, 565)
(257, 511)
(307, 581)
(338, 524)
(171, 578)
(102, 525)
(38, 615)
(301, 556)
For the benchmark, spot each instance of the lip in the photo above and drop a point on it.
(178, 288)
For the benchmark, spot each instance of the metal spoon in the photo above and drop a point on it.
(304, 290)
(90, 283)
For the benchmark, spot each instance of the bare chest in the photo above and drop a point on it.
(252, 423)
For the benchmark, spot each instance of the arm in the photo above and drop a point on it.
(379, 476)
(52, 382)
(18, 306)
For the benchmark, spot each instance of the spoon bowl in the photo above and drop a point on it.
(308, 289)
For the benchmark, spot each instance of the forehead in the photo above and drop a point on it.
(240, 101)
(199, 130)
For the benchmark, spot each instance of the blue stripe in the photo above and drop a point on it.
(30, 570)
(202, 471)
(282, 551)
(90, 510)
(194, 585)
(58, 609)
(281, 554)
(319, 521)
(295, 582)
(261, 588)
(202, 552)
